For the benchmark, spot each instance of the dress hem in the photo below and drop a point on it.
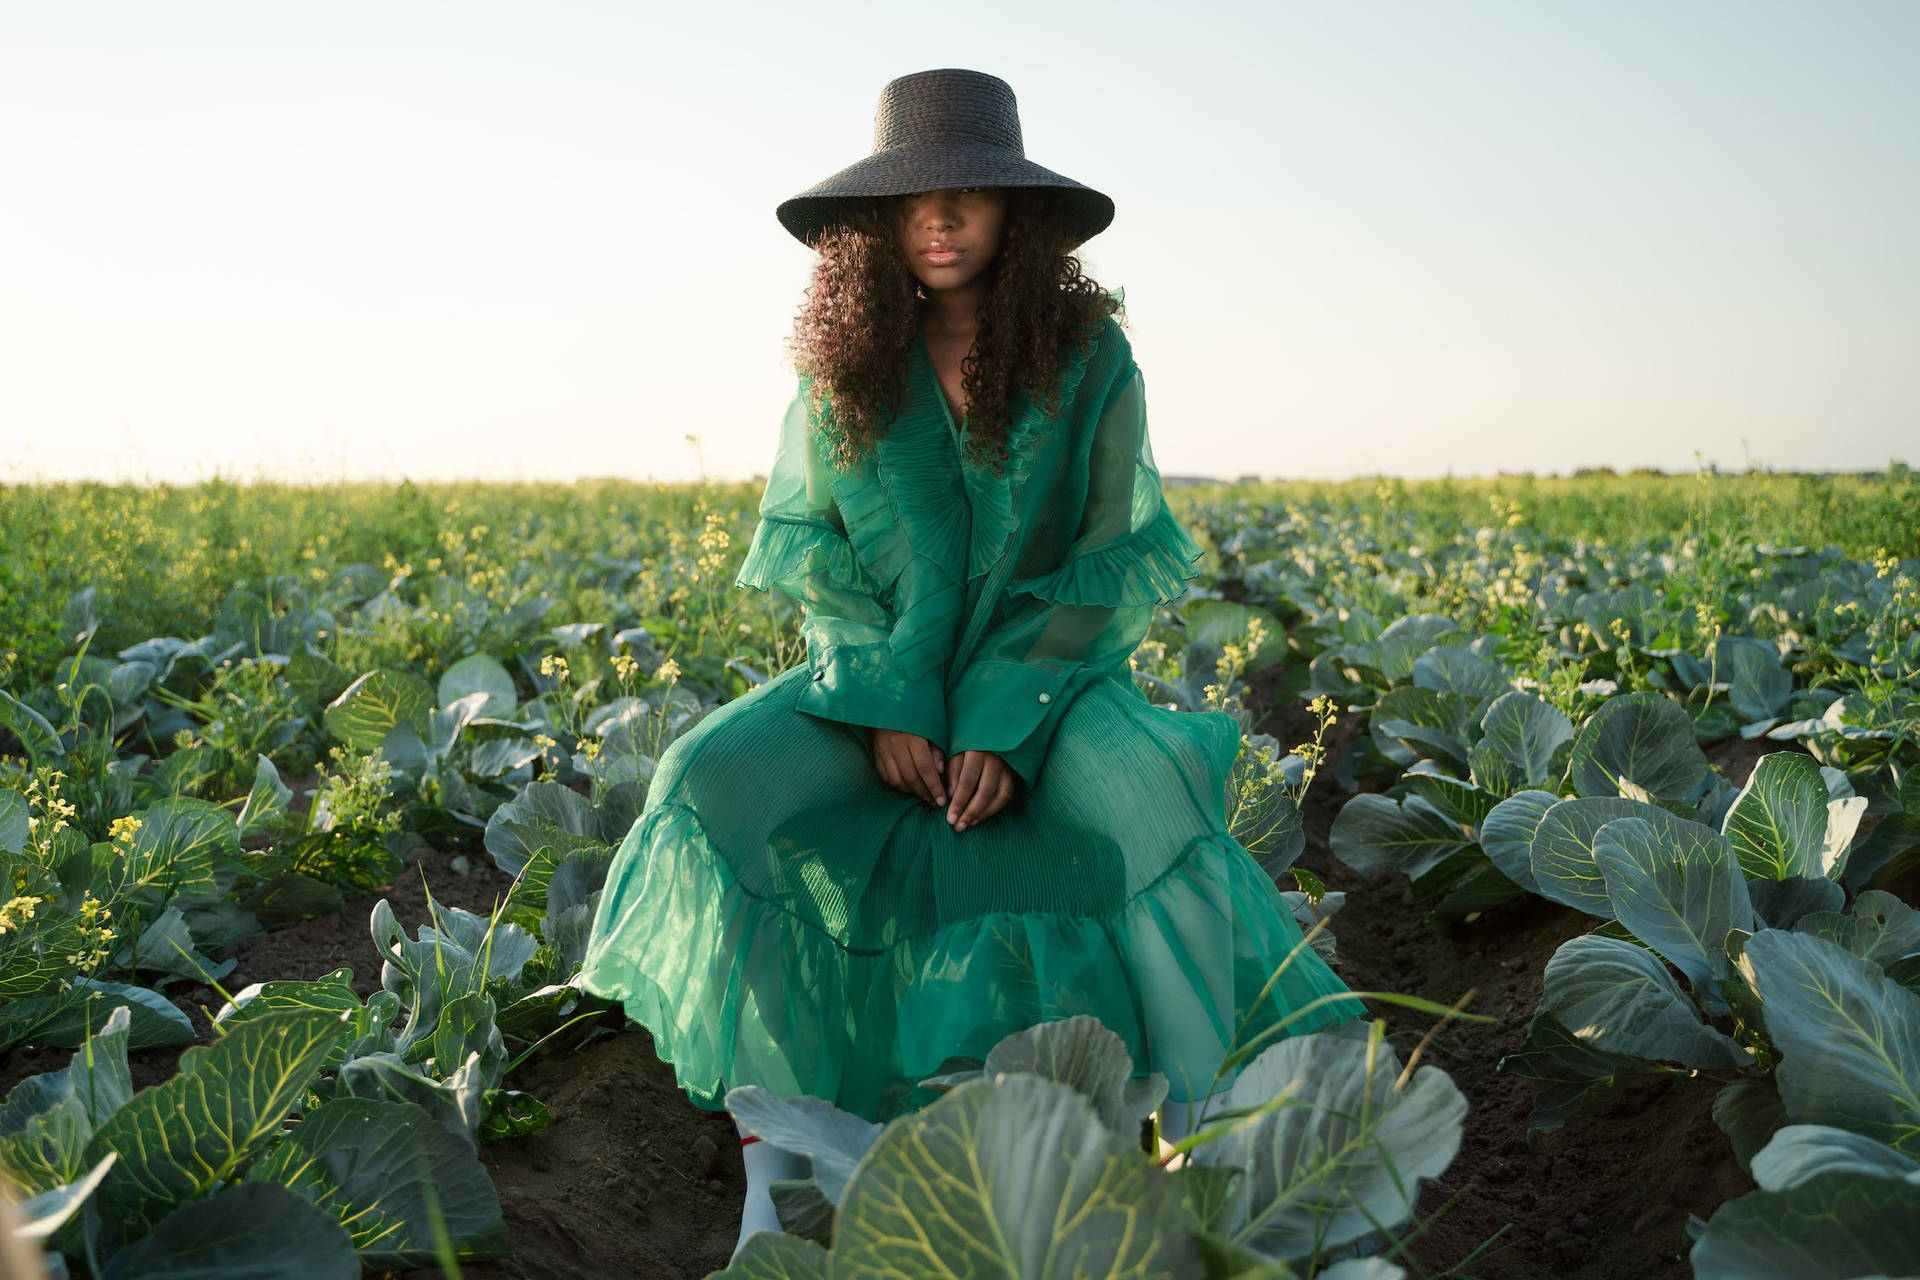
(703, 1053)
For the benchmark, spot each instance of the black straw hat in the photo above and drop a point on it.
(943, 128)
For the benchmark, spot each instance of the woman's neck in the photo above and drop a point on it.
(952, 315)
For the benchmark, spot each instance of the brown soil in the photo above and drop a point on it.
(630, 1179)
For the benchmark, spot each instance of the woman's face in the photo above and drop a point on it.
(951, 235)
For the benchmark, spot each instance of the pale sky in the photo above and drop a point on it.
(529, 241)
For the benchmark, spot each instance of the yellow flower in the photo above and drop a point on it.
(16, 910)
(667, 671)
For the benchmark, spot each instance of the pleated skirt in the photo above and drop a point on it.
(779, 916)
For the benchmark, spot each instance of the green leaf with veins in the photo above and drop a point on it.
(1619, 998)
(1679, 890)
(1849, 1038)
(1645, 737)
(180, 1139)
(381, 1168)
(1010, 1177)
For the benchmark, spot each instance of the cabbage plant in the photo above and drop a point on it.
(1830, 1203)
(202, 1174)
(1491, 760)
(456, 999)
(174, 885)
(1032, 1166)
(1731, 954)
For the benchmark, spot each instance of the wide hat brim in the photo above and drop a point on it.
(932, 164)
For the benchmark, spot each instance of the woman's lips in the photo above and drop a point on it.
(943, 257)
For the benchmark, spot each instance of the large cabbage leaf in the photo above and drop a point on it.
(1562, 849)
(179, 1140)
(1849, 1038)
(1644, 738)
(383, 1169)
(1373, 833)
(1524, 744)
(1619, 998)
(1345, 1151)
(1784, 824)
(1831, 1203)
(1014, 1176)
(1679, 889)
(240, 1233)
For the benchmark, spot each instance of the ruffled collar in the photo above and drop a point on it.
(990, 494)
(918, 495)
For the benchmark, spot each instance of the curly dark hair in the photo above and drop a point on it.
(862, 308)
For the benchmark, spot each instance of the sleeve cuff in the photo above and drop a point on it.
(861, 685)
(1010, 709)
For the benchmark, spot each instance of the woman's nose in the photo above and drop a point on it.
(935, 213)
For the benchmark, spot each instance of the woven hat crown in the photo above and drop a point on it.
(950, 103)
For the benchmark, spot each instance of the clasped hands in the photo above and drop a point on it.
(974, 785)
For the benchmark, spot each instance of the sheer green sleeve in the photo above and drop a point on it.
(800, 550)
(1083, 620)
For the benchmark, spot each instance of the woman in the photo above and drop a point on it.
(960, 817)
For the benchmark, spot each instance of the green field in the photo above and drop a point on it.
(1650, 740)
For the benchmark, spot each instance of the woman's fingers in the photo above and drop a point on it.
(892, 761)
(980, 804)
(1004, 795)
(883, 765)
(927, 769)
(966, 777)
(909, 775)
(975, 786)
(910, 764)
(887, 760)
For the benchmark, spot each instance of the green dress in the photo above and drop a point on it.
(779, 916)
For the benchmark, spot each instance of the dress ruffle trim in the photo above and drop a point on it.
(922, 521)
(906, 515)
(1151, 565)
(907, 501)
(737, 990)
(787, 550)
(992, 495)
